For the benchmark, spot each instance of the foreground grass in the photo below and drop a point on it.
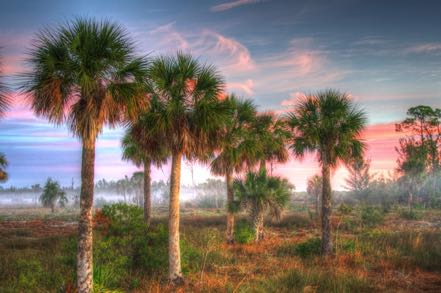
(390, 257)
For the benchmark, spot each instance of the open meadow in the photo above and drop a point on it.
(393, 254)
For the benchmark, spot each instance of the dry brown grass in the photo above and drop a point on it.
(251, 267)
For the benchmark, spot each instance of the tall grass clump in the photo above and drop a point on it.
(318, 281)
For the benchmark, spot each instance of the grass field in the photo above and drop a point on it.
(37, 254)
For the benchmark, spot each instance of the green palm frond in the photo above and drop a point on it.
(4, 98)
(264, 193)
(185, 107)
(328, 124)
(236, 150)
(85, 74)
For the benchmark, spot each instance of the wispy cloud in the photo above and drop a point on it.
(233, 4)
(246, 87)
(428, 48)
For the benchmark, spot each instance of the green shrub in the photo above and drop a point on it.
(308, 248)
(344, 209)
(371, 216)
(348, 246)
(124, 219)
(152, 255)
(409, 215)
(111, 263)
(243, 233)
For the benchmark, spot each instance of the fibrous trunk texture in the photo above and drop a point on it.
(230, 214)
(326, 211)
(175, 273)
(147, 193)
(85, 224)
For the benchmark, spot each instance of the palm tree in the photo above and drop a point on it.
(262, 194)
(123, 187)
(270, 138)
(186, 109)
(328, 124)
(52, 193)
(142, 149)
(234, 151)
(3, 165)
(314, 189)
(85, 74)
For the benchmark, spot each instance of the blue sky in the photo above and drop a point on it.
(386, 54)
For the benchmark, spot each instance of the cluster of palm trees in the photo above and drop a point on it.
(85, 75)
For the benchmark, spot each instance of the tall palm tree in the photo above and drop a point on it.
(328, 124)
(145, 150)
(186, 109)
(262, 194)
(235, 150)
(270, 139)
(85, 74)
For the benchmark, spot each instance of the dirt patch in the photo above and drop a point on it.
(36, 228)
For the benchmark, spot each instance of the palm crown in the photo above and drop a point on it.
(266, 193)
(85, 74)
(270, 137)
(138, 147)
(235, 148)
(330, 124)
(185, 106)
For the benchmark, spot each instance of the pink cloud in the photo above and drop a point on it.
(230, 5)
(12, 64)
(169, 38)
(245, 87)
(240, 56)
(293, 99)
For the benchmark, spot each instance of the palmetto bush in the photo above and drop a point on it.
(261, 194)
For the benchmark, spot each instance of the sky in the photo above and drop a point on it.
(385, 54)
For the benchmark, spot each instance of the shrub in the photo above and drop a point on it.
(348, 246)
(308, 248)
(371, 216)
(124, 219)
(243, 233)
(409, 215)
(344, 209)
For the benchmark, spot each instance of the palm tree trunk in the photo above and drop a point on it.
(147, 193)
(326, 210)
(230, 214)
(262, 166)
(317, 204)
(53, 207)
(175, 273)
(85, 232)
(257, 218)
(410, 201)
